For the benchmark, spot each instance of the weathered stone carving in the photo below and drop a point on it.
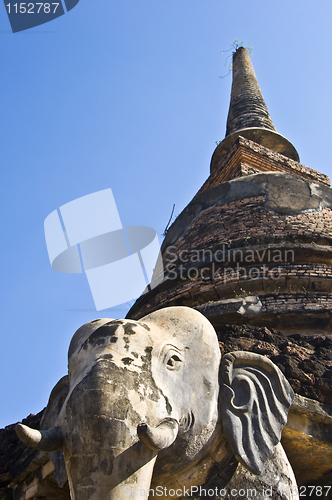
(142, 407)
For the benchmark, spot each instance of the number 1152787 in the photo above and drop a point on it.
(32, 8)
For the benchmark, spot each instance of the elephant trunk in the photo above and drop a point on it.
(126, 481)
(136, 485)
(105, 459)
(132, 468)
(50, 440)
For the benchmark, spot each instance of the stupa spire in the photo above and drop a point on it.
(247, 107)
(248, 115)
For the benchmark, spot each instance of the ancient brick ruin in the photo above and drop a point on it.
(252, 252)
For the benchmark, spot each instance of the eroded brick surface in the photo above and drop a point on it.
(306, 360)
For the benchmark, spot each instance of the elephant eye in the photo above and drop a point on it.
(173, 361)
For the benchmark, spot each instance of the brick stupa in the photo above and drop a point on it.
(253, 247)
(252, 251)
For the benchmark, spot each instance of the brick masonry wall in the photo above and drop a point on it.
(280, 303)
(250, 250)
(244, 223)
(261, 159)
(244, 169)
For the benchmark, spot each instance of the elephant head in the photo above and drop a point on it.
(150, 397)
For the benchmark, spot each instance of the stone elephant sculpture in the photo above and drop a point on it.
(148, 404)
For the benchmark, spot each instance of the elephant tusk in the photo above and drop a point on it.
(50, 440)
(160, 437)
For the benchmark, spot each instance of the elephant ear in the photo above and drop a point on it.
(54, 405)
(255, 399)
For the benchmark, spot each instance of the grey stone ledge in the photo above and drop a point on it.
(311, 418)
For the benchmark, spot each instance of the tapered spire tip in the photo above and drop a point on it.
(248, 115)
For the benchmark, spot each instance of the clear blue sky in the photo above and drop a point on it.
(127, 95)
